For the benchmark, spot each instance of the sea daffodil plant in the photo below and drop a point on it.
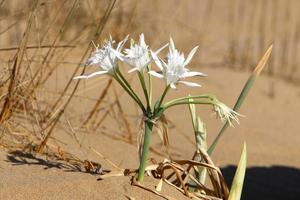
(173, 70)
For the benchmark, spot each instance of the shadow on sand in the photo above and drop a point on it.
(266, 183)
(23, 158)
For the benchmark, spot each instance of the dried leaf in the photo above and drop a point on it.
(163, 131)
(159, 185)
(112, 174)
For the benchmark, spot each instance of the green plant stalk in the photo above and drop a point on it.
(143, 161)
(130, 92)
(119, 75)
(161, 99)
(261, 64)
(200, 138)
(149, 85)
(236, 107)
(188, 98)
(142, 80)
(208, 102)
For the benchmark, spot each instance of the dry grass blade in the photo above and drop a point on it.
(7, 107)
(38, 47)
(125, 121)
(97, 34)
(129, 197)
(34, 83)
(162, 127)
(104, 158)
(98, 103)
(260, 66)
(219, 190)
(135, 183)
(159, 185)
(6, 111)
(101, 120)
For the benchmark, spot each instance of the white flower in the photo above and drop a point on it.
(106, 58)
(175, 68)
(138, 55)
(225, 113)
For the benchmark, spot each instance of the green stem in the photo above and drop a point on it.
(143, 161)
(236, 107)
(149, 86)
(212, 97)
(130, 92)
(142, 80)
(163, 95)
(122, 78)
(210, 100)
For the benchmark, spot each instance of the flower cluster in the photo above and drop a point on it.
(173, 69)
(139, 56)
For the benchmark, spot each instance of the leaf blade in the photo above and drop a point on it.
(238, 180)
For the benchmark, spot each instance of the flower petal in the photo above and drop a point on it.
(190, 56)
(190, 74)
(133, 69)
(172, 48)
(154, 73)
(190, 84)
(142, 40)
(118, 54)
(156, 60)
(173, 86)
(90, 75)
(161, 48)
(121, 44)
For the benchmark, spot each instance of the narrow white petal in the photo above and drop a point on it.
(90, 75)
(190, 74)
(133, 69)
(173, 86)
(190, 56)
(154, 73)
(172, 45)
(142, 40)
(190, 84)
(164, 64)
(118, 54)
(121, 44)
(79, 77)
(161, 48)
(156, 60)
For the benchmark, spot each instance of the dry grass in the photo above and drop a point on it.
(27, 114)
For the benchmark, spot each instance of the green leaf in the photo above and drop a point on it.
(193, 114)
(199, 127)
(200, 136)
(238, 180)
(243, 95)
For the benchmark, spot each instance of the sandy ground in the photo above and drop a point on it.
(269, 128)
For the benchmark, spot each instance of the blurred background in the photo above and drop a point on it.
(43, 44)
(231, 33)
